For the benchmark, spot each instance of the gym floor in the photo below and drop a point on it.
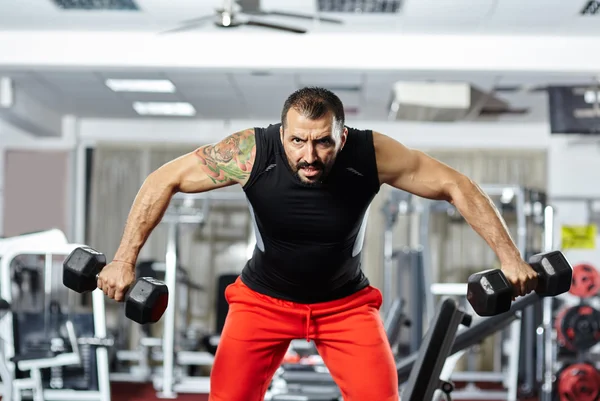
(145, 392)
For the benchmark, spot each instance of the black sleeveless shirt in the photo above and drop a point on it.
(309, 238)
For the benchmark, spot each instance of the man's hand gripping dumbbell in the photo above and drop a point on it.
(491, 293)
(145, 301)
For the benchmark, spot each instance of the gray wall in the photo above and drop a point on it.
(36, 191)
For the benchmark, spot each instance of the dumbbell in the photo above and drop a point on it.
(146, 300)
(490, 293)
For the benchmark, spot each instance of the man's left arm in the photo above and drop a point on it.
(415, 172)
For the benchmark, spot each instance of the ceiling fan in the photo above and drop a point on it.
(238, 13)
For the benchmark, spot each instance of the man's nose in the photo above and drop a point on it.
(310, 154)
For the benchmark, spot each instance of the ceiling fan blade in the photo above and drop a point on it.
(274, 26)
(199, 19)
(184, 28)
(303, 16)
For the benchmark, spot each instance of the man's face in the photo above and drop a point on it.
(311, 146)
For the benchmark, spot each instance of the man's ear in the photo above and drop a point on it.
(343, 138)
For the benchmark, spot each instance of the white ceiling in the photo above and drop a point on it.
(554, 17)
(247, 95)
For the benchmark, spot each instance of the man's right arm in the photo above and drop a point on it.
(223, 164)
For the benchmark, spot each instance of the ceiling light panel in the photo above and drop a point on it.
(141, 85)
(173, 109)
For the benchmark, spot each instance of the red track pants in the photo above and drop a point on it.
(348, 334)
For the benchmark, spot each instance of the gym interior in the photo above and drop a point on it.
(95, 95)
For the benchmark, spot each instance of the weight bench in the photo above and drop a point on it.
(423, 369)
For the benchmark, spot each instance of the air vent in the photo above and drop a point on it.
(97, 4)
(445, 101)
(591, 8)
(360, 6)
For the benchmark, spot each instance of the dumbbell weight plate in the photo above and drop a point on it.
(489, 292)
(81, 268)
(147, 300)
(554, 273)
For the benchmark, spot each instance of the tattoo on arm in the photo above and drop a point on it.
(229, 160)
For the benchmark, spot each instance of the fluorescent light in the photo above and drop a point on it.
(141, 85)
(164, 108)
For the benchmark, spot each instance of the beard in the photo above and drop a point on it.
(322, 171)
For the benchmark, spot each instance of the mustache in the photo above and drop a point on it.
(316, 165)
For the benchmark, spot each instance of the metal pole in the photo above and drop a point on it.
(426, 265)
(98, 306)
(529, 321)
(388, 267)
(548, 377)
(515, 335)
(390, 211)
(79, 196)
(416, 265)
(169, 316)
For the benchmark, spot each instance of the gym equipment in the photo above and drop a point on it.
(146, 300)
(407, 268)
(578, 327)
(443, 341)
(579, 382)
(424, 379)
(515, 352)
(586, 281)
(184, 211)
(35, 363)
(490, 293)
(99, 354)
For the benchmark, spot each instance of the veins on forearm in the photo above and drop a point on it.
(481, 213)
(230, 159)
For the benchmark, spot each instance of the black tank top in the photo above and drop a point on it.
(309, 238)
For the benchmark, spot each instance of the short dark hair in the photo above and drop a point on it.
(313, 103)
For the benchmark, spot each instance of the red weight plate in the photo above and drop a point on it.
(586, 281)
(579, 382)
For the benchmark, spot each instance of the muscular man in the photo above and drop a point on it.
(309, 181)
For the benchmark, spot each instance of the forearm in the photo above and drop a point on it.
(146, 212)
(482, 215)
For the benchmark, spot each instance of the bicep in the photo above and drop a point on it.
(213, 166)
(414, 171)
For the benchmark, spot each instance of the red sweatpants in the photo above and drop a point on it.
(348, 334)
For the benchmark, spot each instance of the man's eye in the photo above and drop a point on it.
(296, 140)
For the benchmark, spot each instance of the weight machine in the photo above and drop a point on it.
(54, 359)
(529, 208)
(184, 210)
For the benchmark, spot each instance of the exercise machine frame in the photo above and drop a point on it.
(98, 306)
(166, 382)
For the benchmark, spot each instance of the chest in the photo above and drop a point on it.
(294, 212)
